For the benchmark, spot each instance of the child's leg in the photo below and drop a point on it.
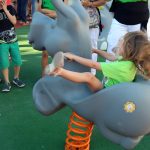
(44, 61)
(16, 81)
(5, 73)
(6, 86)
(16, 59)
(55, 68)
(85, 77)
(4, 61)
(16, 71)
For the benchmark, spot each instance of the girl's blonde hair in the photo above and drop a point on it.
(137, 49)
(143, 60)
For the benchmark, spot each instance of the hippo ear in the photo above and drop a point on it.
(44, 100)
(39, 24)
(75, 9)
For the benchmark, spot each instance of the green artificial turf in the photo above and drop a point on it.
(23, 128)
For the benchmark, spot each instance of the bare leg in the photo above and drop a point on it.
(5, 73)
(16, 72)
(44, 62)
(77, 77)
(16, 80)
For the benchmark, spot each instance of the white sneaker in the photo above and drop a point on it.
(104, 46)
(57, 62)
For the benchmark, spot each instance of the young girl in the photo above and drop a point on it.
(132, 52)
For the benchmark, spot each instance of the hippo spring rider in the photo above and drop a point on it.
(121, 112)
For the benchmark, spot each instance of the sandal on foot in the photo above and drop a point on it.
(57, 62)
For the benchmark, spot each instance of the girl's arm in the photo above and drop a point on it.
(105, 55)
(11, 18)
(83, 61)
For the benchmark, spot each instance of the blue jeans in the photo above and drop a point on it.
(21, 9)
(33, 2)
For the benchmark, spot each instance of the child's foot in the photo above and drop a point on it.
(57, 62)
(6, 87)
(18, 83)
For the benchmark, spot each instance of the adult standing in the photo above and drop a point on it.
(94, 23)
(128, 16)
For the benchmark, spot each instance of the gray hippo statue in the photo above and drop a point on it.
(121, 113)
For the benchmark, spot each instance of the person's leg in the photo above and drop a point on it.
(4, 61)
(23, 11)
(16, 59)
(4, 64)
(6, 86)
(33, 3)
(20, 8)
(86, 77)
(133, 28)
(117, 31)
(5, 73)
(16, 72)
(44, 61)
(55, 68)
(94, 34)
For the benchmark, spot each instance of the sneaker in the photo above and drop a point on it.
(18, 83)
(6, 87)
(57, 62)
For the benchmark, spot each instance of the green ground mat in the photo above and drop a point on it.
(23, 128)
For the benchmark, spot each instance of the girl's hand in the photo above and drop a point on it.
(69, 56)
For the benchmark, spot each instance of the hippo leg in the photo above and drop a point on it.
(127, 142)
(44, 98)
(130, 143)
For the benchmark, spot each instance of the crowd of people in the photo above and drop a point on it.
(127, 45)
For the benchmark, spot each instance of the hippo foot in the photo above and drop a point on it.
(126, 142)
(129, 143)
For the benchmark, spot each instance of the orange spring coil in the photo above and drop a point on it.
(79, 133)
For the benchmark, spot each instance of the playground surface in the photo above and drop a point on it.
(23, 128)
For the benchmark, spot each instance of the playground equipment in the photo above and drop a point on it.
(79, 133)
(121, 113)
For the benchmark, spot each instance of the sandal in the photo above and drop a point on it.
(57, 62)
